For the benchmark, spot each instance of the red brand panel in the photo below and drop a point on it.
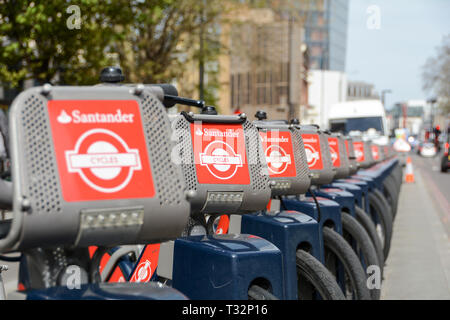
(279, 153)
(375, 152)
(313, 152)
(147, 264)
(359, 151)
(100, 150)
(334, 150)
(220, 154)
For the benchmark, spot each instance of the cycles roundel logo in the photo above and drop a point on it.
(375, 152)
(279, 153)
(221, 160)
(359, 151)
(312, 150)
(100, 149)
(334, 150)
(277, 159)
(143, 272)
(334, 155)
(312, 155)
(103, 160)
(220, 153)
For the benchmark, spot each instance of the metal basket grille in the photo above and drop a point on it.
(157, 131)
(44, 188)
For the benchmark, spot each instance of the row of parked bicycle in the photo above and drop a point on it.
(111, 197)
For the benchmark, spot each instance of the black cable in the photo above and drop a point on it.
(319, 215)
(10, 259)
(6, 175)
(94, 269)
(282, 203)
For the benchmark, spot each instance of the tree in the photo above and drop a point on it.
(436, 75)
(163, 40)
(153, 41)
(44, 41)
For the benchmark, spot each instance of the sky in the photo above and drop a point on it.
(390, 40)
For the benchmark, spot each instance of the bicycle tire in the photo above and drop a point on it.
(316, 277)
(391, 194)
(364, 219)
(255, 292)
(335, 243)
(364, 247)
(378, 209)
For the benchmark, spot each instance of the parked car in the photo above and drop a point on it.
(427, 149)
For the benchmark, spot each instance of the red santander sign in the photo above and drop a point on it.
(334, 150)
(279, 153)
(313, 152)
(375, 152)
(359, 151)
(219, 153)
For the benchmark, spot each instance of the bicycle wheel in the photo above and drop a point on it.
(391, 194)
(339, 252)
(363, 246)
(364, 219)
(397, 173)
(314, 278)
(383, 221)
(257, 293)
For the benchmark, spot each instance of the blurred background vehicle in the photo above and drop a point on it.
(427, 149)
(445, 157)
(360, 115)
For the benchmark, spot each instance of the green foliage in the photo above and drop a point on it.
(153, 41)
(38, 44)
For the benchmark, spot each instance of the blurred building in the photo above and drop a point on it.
(326, 88)
(326, 33)
(326, 38)
(409, 114)
(265, 67)
(359, 90)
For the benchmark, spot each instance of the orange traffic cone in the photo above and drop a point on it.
(409, 177)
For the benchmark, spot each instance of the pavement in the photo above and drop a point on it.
(418, 266)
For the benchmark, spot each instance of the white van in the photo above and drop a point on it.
(359, 115)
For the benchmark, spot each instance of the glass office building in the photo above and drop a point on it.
(326, 33)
